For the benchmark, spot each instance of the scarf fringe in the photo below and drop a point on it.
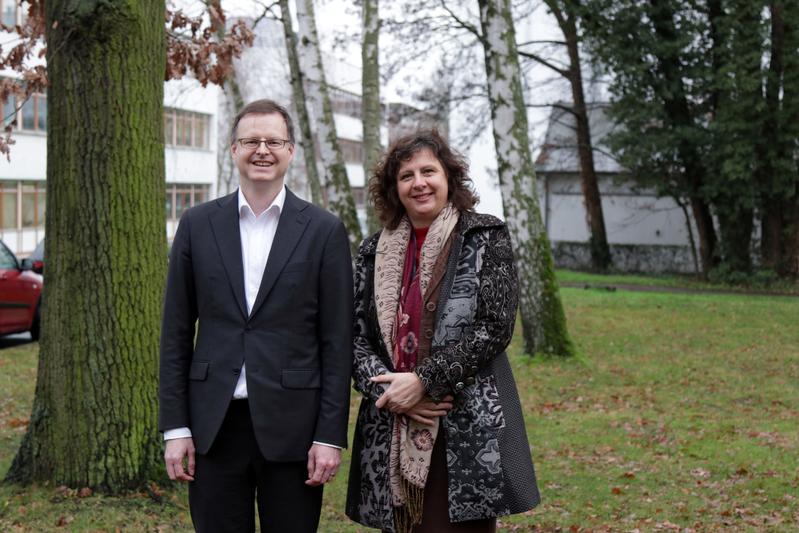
(409, 514)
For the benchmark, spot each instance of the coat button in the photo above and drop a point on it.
(470, 380)
(459, 386)
(431, 306)
(236, 371)
(428, 333)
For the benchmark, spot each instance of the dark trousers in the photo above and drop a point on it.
(234, 474)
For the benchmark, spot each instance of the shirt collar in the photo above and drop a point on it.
(244, 206)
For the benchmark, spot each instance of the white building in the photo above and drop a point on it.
(190, 139)
(190, 161)
(646, 233)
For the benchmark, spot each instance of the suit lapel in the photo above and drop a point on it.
(225, 226)
(290, 228)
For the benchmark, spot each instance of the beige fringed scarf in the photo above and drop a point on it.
(411, 442)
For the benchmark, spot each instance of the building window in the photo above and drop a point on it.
(32, 116)
(184, 128)
(8, 8)
(33, 204)
(8, 205)
(359, 196)
(181, 196)
(345, 102)
(22, 204)
(351, 150)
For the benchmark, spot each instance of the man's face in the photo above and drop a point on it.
(262, 164)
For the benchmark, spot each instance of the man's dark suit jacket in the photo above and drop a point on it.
(297, 341)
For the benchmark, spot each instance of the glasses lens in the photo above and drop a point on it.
(274, 144)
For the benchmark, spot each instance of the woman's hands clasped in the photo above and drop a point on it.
(406, 395)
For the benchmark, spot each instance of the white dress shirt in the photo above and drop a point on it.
(257, 235)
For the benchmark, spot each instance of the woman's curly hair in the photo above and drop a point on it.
(383, 182)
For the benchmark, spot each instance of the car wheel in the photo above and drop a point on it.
(37, 323)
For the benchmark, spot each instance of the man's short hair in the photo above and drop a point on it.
(263, 107)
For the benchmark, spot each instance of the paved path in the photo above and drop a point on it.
(677, 290)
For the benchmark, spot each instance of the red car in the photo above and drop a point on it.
(20, 295)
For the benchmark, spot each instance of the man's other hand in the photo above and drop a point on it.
(176, 451)
(323, 463)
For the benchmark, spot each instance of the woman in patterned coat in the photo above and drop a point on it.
(440, 443)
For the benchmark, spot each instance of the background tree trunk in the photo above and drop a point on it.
(337, 192)
(232, 101)
(370, 101)
(543, 320)
(94, 415)
(595, 219)
(303, 118)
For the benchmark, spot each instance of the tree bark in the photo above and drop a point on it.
(370, 102)
(595, 219)
(232, 101)
(337, 192)
(543, 319)
(298, 94)
(93, 422)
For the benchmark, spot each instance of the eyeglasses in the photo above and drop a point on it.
(251, 143)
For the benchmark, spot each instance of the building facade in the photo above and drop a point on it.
(646, 233)
(189, 150)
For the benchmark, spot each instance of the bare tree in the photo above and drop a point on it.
(543, 319)
(565, 13)
(370, 97)
(299, 97)
(337, 191)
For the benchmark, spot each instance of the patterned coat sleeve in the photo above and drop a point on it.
(454, 366)
(366, 343)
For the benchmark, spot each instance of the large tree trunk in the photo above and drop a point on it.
(370, 102)
(600, 251)
(338, 194)
(93, 422)
(543, 320)
(298, 94)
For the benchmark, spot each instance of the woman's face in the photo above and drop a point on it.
(422, 187)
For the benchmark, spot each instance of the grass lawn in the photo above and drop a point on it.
(680, 414)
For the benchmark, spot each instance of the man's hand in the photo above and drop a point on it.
(174, 454)
(404, 391)
(427, 410)
(323, 463)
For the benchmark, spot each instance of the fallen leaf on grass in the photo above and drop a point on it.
(64, 520)
(700, 473)
(17, 422)
(85, 492)
(616, 490)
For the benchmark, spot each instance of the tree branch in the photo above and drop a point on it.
(542, 61)
(529, 43)
(465, 25)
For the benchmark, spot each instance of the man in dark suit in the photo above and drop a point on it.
(256, 343)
